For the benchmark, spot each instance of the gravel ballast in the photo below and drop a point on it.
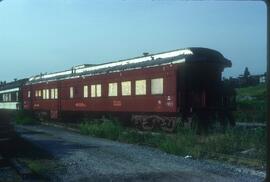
(87, 158)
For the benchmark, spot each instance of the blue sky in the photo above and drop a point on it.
(47, 36)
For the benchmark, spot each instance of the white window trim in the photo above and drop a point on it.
(28, 94)
(136, 87)
(124, 90)
(71, 92)
(93, 91)
(98, 90)
(56, 93)
(85, 91)
(113, 89)
(157, 90)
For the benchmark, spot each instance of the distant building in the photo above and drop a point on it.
(263, 78)
(245, 81)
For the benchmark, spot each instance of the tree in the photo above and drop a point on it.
(246, 73)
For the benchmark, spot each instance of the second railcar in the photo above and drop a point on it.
(10, 102)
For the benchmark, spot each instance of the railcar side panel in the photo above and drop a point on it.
(27, 97)
(165, 102)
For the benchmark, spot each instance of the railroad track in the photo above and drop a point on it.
(11, 169)
(250, 125)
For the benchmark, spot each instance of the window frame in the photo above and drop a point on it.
(47, 94)
(112, 89)
(151, 84)
(85, 91)
(55, 93)
(96, 90)
(29, 94)
(130, 88)
(143, 94)
(71, 92)
(43, 94)
(93, 91)
(17, 96)
(52, 93)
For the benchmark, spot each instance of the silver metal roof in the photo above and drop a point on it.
(151, 60)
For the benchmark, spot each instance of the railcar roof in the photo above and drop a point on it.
(151, 60)
(13, 84)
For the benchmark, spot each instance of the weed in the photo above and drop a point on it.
(251, 104)
(218, 145)
(23, 117)
(103, 128)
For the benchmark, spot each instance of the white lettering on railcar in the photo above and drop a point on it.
(169, 103)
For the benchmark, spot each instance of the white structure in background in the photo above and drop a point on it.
(262, 78)
(7, 101)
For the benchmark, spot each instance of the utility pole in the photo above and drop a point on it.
(267, 2)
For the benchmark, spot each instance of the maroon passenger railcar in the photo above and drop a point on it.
(153, 90)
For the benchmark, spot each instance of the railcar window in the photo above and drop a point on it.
(157, 86)
(96, 90)
(17, 96)
(44, 94)
(71, 92)
(85, 91)
(93, 90)
(126, 88)
(140, 87)
(7, 97)
(56, 93)
(52, 93)
(47, 94)
(29, 94)
(36, 93)
(112, 89)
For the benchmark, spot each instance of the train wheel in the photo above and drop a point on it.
(137, 121)
(194, 123)
(169, 124)
(148, 123)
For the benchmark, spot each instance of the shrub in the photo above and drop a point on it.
(103, 128)
(251, 104)
(23, 117)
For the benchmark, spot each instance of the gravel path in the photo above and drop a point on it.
(93, 159)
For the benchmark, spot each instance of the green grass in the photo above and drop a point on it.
(251, 104)
(43, 168)
(186, 142)
(24, 118)
(258, 91)
(103, 128)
